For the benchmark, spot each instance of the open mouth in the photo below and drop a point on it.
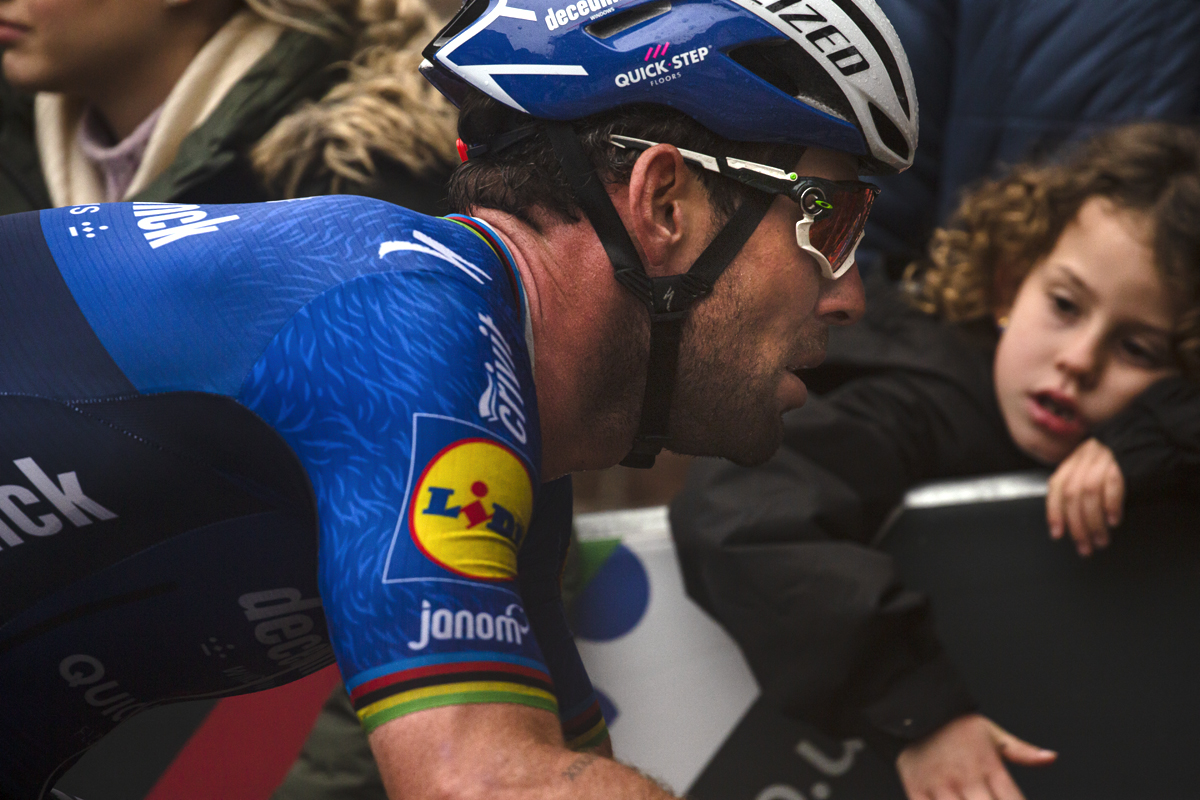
(809, 361)
(1056, 414)
(1063, 410)
(10, 32)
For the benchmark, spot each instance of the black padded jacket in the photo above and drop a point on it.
(781, 554)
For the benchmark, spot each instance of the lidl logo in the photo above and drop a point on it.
(471, 509)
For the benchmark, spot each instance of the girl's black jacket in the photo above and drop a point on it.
(780, 554)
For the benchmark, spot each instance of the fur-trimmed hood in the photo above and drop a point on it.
(383, 108)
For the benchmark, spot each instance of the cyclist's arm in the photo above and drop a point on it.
(495, 751)
(378, 401)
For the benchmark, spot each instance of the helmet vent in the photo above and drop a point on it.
(789, 68)
(610, 26)
(471, 10)
(889, 134)
(880, 44)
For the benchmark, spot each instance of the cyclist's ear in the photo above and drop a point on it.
(666, 209)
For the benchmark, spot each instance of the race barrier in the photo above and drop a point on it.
(1096, 658)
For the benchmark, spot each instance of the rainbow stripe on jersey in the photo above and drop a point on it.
(586, 728)
(380, 695)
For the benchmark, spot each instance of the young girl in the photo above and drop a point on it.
(1090, 269)
(1058, 325)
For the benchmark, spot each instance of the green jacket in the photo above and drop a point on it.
(212, 164)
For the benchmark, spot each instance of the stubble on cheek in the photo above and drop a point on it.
(725, 401)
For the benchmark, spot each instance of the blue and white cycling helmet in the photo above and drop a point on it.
(829, 73)
(824, 73)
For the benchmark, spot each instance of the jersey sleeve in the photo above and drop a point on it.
(408, 397)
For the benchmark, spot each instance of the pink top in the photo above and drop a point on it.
(117, 162)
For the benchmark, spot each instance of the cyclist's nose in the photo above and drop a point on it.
(842, 300)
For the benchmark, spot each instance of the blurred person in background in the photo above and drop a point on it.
(1055, 323)
(1002, 81)
(211, 101)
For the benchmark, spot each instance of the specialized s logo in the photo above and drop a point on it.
(471, 508)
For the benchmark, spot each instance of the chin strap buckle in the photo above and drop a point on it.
(645, 449)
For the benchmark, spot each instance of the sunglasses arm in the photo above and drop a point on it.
(758, 176)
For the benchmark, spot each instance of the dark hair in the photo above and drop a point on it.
(527, 174)
(1004, 227)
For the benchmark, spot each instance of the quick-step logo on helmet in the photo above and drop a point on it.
(580, 10)
(661, 70)
(817, 29)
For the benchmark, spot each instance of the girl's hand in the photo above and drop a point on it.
(964, 760)
(1086, 496)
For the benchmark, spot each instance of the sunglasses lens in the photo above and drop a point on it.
(837, 232)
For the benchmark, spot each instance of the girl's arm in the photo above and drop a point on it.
(778, 554)
(1151, 449)
(1156, 440)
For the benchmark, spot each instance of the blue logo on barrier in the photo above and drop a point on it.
(614, 601)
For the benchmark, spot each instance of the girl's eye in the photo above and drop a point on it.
(1142, 355)
(1064, 304)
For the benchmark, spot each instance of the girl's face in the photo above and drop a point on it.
(1088, 331)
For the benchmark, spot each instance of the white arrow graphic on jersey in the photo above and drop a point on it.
(480, 75)
(432, 247)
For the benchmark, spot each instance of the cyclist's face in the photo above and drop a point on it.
(1090, 329)
(768, 316)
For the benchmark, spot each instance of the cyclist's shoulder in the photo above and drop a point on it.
(354, 237)
(337, 235)
(442, 276)
(278, 255)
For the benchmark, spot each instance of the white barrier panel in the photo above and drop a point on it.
(677, 682)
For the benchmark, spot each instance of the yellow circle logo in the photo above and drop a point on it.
(471, 509)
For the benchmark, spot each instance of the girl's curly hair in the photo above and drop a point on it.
(1004, 227)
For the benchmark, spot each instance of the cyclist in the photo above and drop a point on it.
(188, 392)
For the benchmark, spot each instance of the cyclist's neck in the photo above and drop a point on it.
(576, 309)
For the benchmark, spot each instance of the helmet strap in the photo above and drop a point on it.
(668, 299)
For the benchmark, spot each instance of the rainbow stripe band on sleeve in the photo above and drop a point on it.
(393, 690)
(586, 728)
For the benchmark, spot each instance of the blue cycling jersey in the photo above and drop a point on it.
(189, 394)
